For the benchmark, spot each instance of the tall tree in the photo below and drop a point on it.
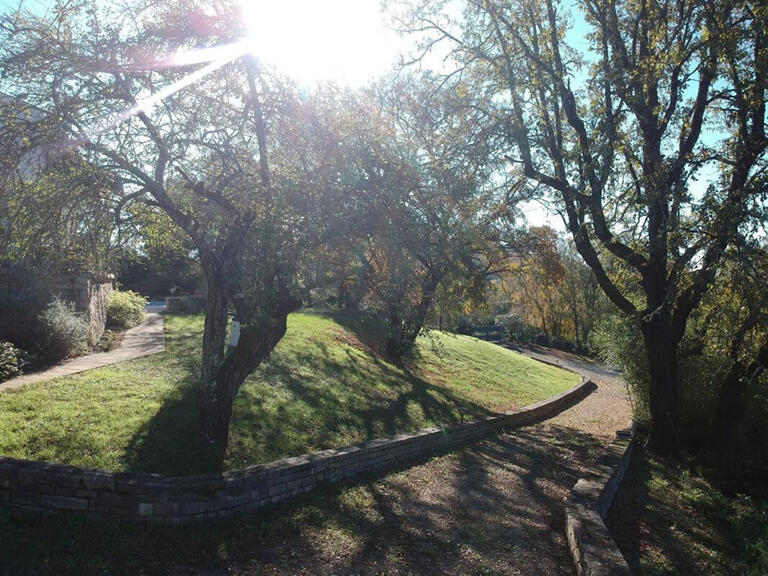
(618, 118)
(730, 331)
(439, 203)
(160, 94)
(550, 288)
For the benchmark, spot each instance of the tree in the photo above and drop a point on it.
(536, 279)
(550, 288)
(157, 259)
(56, 219)
(437, 207)
(195, 128)
(56, 211)
(729, 335)
(618, 132)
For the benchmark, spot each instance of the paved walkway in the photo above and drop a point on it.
(586, 367)
(144, 340)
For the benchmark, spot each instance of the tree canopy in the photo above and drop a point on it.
(618, 123)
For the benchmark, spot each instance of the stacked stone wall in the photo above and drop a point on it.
(592, 547)
(90, 298)
(43, 486)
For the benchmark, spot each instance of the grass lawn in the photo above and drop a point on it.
(667, 519)
(326, 384)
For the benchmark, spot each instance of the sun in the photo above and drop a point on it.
(312, 40)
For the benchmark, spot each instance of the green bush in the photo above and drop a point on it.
(11, 360)
(515, 330)
(62, 332)
(620, 344)
(464, 326)
(24, 292)
(185, 305)
(125, 309)
(109, 341)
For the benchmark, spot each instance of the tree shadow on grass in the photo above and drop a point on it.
(171, 443)
(281, 412)
(491, 508)
(315, 416)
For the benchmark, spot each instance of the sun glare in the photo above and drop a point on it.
(311, 40)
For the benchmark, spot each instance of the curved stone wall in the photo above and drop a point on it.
(41, 486)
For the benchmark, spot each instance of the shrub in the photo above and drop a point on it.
(11, 360)
(125, 309)
(62, 332)
(185, 305)
(464, 326)
(109, 341)
(515, 329)
(621, 346)
(23, 294)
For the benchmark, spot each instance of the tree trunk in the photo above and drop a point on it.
(342, 295)
(221, 373)
(661, 352)
(257, 340)
(422, 310)
(395, 337)
(214, 342)
(404, 331)
(256, 343)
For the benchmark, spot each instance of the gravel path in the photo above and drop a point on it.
(144, 340)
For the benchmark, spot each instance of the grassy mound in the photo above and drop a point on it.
(326, 384)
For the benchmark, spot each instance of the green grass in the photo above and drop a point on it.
(326, 384)
(669, 519)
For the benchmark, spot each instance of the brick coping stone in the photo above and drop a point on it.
(57, 487)
(592, 548)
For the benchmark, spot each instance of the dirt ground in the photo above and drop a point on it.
(495, 507)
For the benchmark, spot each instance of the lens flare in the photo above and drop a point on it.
(215, 58)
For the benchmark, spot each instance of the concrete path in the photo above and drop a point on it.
(586, 367)
(144, 340)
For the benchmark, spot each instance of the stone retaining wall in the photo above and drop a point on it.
(89, 296)
(42, 486)
(593, 550)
